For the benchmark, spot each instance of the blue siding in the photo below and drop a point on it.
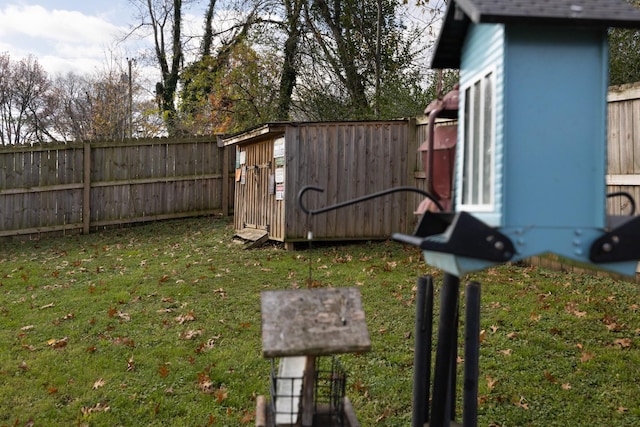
(484, 50)
(555, 127)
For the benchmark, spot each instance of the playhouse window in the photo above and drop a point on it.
(478, 142)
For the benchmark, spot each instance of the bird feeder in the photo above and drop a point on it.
(304, 329)
(531, 157)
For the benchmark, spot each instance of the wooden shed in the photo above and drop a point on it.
(346, 159)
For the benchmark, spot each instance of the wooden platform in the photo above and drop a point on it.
(254, 237)
(316, 322)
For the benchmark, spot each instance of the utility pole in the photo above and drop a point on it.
(130, 61)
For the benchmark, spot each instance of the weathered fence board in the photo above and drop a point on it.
(623, 153)
(49, 188)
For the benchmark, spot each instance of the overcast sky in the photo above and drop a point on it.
(65, 35)
(73, 35)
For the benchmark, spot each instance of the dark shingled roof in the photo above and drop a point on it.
(584, 13)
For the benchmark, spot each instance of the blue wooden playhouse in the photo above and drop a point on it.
(529, 172)
(531, 160)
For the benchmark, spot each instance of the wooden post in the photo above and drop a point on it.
(261, 408)
(225, 181)
(308, 387)
(86, 194)
(412, 153)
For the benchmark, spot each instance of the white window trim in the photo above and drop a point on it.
(480, 76)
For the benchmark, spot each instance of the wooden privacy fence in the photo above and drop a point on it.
(68, 187)
(623, 146)
(78, 187)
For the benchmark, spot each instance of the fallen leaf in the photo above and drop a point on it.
(549, 377)
(494, 329)
(247, 416)
(191, 334)
(98, 383)
(61, 343)
(385, 414)
(522, 403)
(99, 407)
(506, 352)
(482, 335)
(189, 317)
(623, 342)
(358, 386)
(124, 341)
(566, 386)
(220, 394)
(163, 370)
(615, 327)
(586, 356)
(131, 365)
(26, 328)
(491, 383)
(622, 409)
(47, 306)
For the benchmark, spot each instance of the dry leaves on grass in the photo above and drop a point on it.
(521, 403)
(190, 334)
(585, 356)
(98, 407)
(572, 308)
(189, 317)
(623, 342)
(55, 343)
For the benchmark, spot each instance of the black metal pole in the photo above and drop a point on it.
(453, 366)
(422, 353)
(471, 355)
(447, 331)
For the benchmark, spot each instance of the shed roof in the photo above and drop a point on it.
(584, 13)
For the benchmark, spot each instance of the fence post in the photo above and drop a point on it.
(86, 195)
(225, 181)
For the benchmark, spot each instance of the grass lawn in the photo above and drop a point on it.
(159, 325)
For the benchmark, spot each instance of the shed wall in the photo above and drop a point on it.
(350, 160)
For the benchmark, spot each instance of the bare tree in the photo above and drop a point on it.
(23, 87)
(163, 20)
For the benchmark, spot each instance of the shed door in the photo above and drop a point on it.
(258, 186)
